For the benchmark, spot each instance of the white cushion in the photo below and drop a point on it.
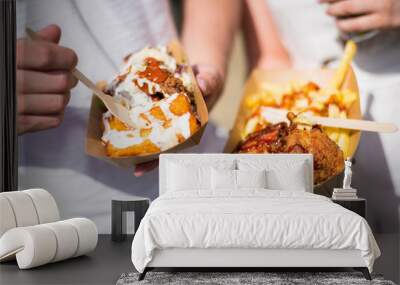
(67, 239)
(226, 179)
(40, 244)
(27, 208)
(229, 161)
(45, 205)
(293, 179)
(7, 218)
(251, 178)
(198, 160)
(223, 179)
(286, 174)
(87, 233)
(32, 246)
(196, 166)
(23, 208)
(183, 178)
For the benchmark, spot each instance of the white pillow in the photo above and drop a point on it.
(283, 173)
(251, 178)
(181, 177)
(223, 179)
(292, 179)
(227, 179)
(201, 160)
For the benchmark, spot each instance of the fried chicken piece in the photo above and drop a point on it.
(268, 140)
(280, 138)
(328, 157)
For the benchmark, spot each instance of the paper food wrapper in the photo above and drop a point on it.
(94, 145)
(320, 76)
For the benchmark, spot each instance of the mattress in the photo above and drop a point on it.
(251, 218)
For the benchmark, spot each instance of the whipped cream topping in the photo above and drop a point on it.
(127, 88)
(162, 137)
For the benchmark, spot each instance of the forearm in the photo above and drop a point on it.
(262, 36)
(208, 31)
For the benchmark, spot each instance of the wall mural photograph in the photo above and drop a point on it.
(199, 142)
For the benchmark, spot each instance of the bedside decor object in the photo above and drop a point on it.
(347, 174)
(347, 192)
(119, 213)
(31, 231)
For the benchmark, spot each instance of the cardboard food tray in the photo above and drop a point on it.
(95, 147)
(320, 76)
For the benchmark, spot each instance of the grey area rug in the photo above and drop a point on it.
(233, 278)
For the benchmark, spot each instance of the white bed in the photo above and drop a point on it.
(248, 227)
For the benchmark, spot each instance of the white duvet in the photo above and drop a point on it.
(250, 219)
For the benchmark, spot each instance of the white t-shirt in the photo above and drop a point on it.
(311, 37)
(101, 32)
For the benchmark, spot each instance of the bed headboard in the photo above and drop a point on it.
(208, 158)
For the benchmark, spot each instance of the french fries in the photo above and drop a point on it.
(307, 97)
(349, 52)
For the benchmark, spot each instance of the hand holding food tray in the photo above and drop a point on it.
(159, 89)
(319, 92)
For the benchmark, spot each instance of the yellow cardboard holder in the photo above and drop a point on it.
(96, 148)
(282, 77)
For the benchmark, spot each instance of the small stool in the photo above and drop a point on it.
(119, 210)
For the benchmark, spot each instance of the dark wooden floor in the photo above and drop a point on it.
(110, 260)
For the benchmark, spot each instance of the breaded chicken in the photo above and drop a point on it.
(280, 138)
(328, 157)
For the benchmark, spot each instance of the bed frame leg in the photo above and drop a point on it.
(364, 271)
(143, 274)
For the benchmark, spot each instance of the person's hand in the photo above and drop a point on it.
(364, 15)
(210, 82)
(143, 168)
(276, 62)
(44, 80)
